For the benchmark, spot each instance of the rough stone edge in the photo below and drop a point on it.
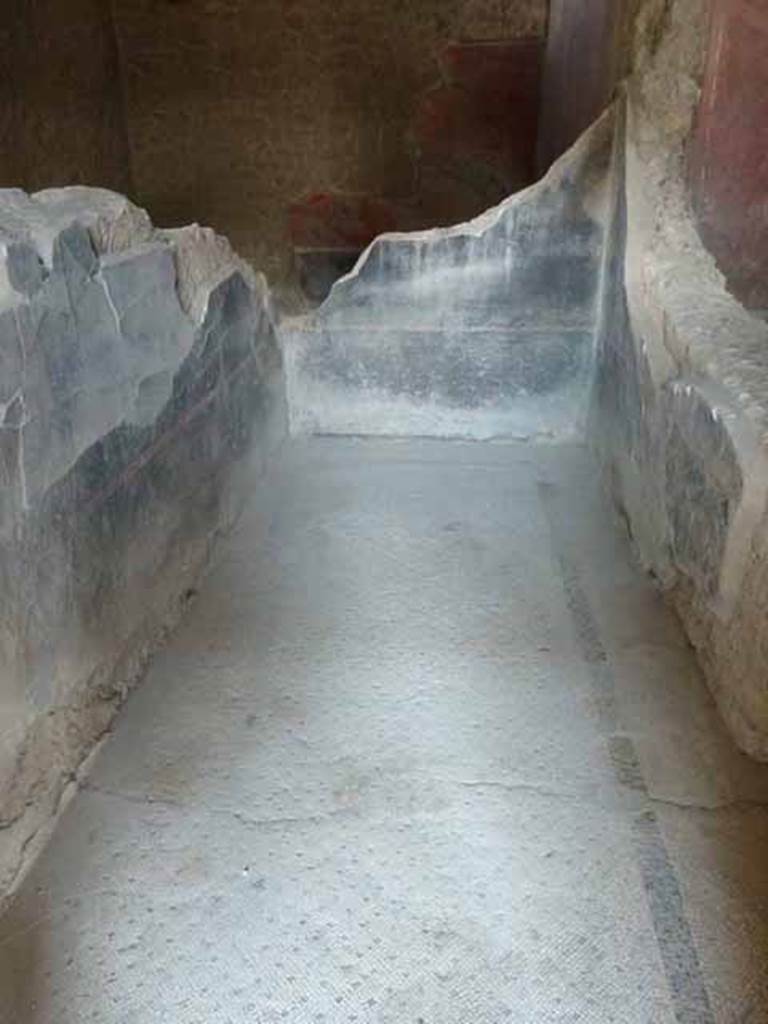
(581, 162)
(203, 262)
(115, 225)
(202, 259)
(569, 164)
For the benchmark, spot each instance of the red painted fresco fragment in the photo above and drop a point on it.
(729, 154)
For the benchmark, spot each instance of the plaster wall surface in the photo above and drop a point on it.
(728, 169)
(140, 381)
(680, 415)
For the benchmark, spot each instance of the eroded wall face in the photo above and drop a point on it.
(237, 109)
(140, 387)
(728, 168)
(680, 414)
(61, 113)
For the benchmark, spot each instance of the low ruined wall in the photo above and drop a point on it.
(140, 384)
(481, 330)
(680, 412)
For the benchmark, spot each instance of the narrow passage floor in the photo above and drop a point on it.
(428, 749)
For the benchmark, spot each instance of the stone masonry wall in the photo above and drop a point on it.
(139, 375)
(680, 412)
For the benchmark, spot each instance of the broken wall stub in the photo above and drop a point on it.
(481, 330)
(141, 385)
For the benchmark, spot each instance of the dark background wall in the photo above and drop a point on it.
(61, 112)
(238, 108)
(229, 112)
(274, 120)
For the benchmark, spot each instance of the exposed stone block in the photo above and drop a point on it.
(141, 380)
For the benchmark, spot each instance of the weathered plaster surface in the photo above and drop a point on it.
(138, 368)
(681, 409)
(481, 330)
